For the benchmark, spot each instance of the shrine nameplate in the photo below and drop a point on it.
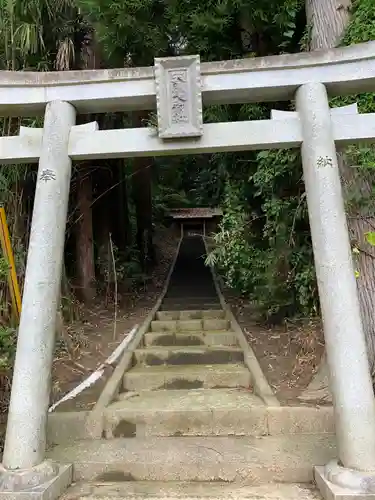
(179, 97)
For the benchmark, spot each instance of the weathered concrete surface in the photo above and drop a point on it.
(177, 304)
(344, 70)
(190, 490)
(65, 427)
(191, 338)
(200, 412)
(185, 71)
(216, 324)
(190, 325)
(217, 137)
(300, 420)
(175, 315)
(186, 376)
(331, 491)
(172, 326)
(336, 481)
(51, 490)
(205, 412)
(144, 415)
(188, 355)
(242, 459)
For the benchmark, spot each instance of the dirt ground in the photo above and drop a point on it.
(88, 342)
(288, 354)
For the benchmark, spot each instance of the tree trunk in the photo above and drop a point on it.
(358, 185)
(84, 238)
(102, 219)
(143, 209)
(124, 210)
(328, 20)
(118, 209)
(142, 195)
(85, 257)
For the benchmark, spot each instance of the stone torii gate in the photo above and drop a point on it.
(178, 87)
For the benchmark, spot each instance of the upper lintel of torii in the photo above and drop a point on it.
(179, 87)
(343, 70)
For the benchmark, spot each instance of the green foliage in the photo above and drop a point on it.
(370, 238)
(7, 346)
(361, 29)
(134, 32)
(40, 34)
(267, 254)
(362, 24)
(275, 264)
(131, 32)
(7, 335)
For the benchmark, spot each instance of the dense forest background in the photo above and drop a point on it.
(263, 245)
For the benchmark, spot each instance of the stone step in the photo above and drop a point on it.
(197, 290)
(192, 306)
(190, 325)
(234, 459)
(195, 293)
(186, 377)
(188, 355)
(189, 490)
(220, 338)
(191, 299)
(186, 315)
(197, 412)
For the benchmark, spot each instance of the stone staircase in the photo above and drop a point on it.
(187, 423)
(189, 370)
(187, 415)
(191, 286)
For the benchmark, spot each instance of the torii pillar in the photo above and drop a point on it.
(351, 385)
(25, 472)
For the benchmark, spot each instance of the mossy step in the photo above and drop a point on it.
(221, 338)
(184, 299)
(188, 355)
(186, 377)
(256, 460)
(189, 490)
(189, 325)
(191, 306)
(197, 412)
(186, 315)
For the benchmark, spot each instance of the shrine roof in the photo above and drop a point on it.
(195, 213)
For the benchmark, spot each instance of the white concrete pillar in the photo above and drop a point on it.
(26, 430)
(350, 379)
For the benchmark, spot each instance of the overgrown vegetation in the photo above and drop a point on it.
(272, 261)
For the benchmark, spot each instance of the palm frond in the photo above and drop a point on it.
(65, 54)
